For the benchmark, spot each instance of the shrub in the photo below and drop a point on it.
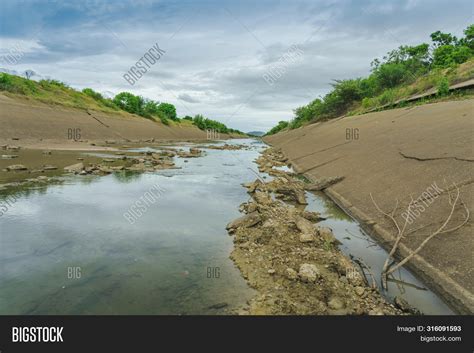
(91, 93)
(443, 87)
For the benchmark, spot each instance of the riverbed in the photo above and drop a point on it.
(68, 249)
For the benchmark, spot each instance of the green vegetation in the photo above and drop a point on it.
(281, 125)
(58, 93)
(208, 124)
(403, 72)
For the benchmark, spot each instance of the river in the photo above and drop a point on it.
(68, 249)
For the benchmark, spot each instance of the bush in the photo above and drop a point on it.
(6, 83)
(91, 93)
(390, 75)
(281, 125)
(443, 87)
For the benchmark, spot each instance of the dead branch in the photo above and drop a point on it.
(440, 230)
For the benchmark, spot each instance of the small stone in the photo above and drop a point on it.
(49, 167)
(46, 152)
(9, 156)
(309, 273)
(359, 290)
(291, 274)
(15, 167)
(335, 303)
(74, 168)
(306, 238)
(271, 271)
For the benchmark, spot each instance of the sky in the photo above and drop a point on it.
(248, 64)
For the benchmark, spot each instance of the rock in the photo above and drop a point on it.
(49, 167)
(9, 156)
(306, 238)
(376, 312)
(3, 147)
(309, 273)
(16, 167)
(74, 168)
(300, 197)
(110, 142)
(262, 198)
(291, 274)
(253, 186)
(327, 235)
(46, 152)
(15, 138)
(404, 306)
(246, 221)
(13, 148)
(305, 226)
(218, 306)
(359, 290)
(312, 216)
(271, 271)
(108, 160)
(252, 207)
(335, 303)
(80, 159)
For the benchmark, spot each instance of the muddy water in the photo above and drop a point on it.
(68, 249)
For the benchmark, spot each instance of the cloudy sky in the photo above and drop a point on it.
(217, 53)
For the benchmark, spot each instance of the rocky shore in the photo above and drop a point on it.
(294, 264)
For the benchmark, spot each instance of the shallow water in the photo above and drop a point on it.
(68, 249)
(173, 260)
(357, 244)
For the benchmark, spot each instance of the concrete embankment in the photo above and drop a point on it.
(395, 155)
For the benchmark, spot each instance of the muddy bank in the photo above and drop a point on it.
(395, 155)
(294, 264)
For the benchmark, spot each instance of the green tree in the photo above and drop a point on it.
(169, 110)
(129, 102)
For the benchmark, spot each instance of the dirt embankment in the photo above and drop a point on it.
(395, 155)
(40, 125)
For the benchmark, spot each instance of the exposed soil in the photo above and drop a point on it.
(294, 264)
